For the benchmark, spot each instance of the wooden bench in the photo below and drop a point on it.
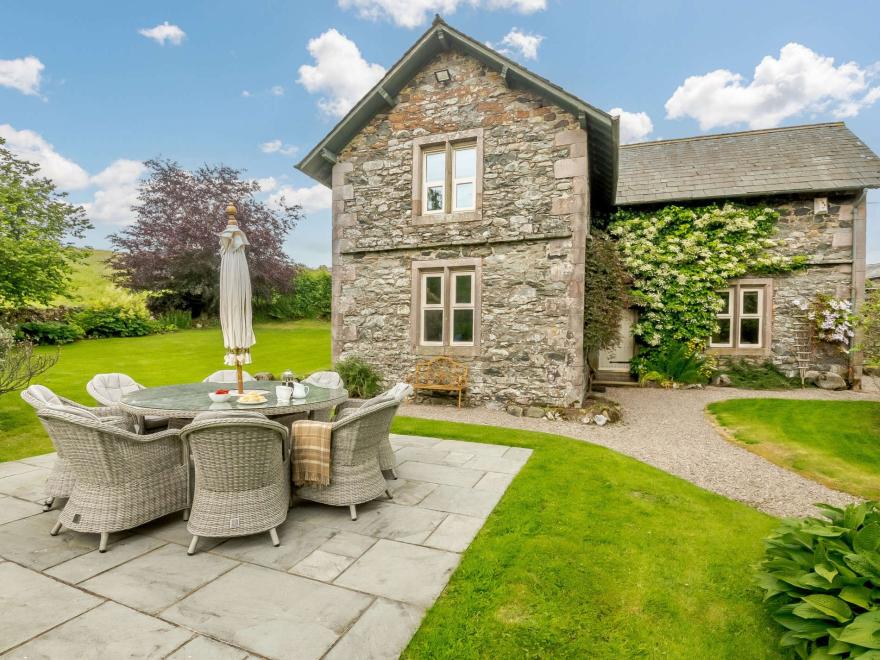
(440, 374)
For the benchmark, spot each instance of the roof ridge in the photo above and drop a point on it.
(715, 136)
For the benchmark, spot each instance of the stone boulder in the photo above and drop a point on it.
(830, 381)
(811, 375)
(534, 412)
(721, 380)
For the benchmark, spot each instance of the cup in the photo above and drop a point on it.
(283, 393)
(300, 391)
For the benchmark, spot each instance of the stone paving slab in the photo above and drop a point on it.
(335, 588)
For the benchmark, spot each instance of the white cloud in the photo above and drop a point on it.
(278, 147)
(245, 93)
(277, 90)
(412, 13)
(312, 198)
(634, 126)
(340, 72)
(117, 191)
(31, 146)
(267, 184)
(517, 42)
(22, 74)
(800, 81)
(164, 32)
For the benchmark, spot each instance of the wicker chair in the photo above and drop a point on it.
(242, 483)
(226, 376)
(60, 482)
(329, 380)
(355, 476)
(123, 479)
(108, 390)
(387, 461)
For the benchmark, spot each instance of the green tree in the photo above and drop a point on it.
(36, 225)
(606, 295)
(869, 321)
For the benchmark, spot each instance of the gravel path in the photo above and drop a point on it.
(671, 431)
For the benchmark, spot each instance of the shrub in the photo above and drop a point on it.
(50, 332)
(180, 319)
(360, 379)
(18, 362)
(106, 320)
(677, 363)
(310, 298)
(766, 376)
(821, 580)
(869, 322)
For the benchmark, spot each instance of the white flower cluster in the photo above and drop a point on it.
(834, 320)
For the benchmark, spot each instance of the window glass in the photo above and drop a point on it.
(750, 331)
(433, 290)
(433, 326)
(723, 334)
(435, 198)
(463, 289)
(464, 195)
(725, 300)
(750, 302)
(435, 166)
(463, 326)
(465, 163)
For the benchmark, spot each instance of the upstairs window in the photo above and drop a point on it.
(742, 319)
(449, 174)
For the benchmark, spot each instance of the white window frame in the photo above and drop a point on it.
(731, 303)
(741, 315)
(467, 179)
(425, 306)
(433, 183)
(453, 290)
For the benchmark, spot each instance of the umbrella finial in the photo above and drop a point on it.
(230, 215)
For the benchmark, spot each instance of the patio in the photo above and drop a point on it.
(335, 588)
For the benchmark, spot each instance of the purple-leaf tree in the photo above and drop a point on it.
(171, 250)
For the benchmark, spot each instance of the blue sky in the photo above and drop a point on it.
(90, 89)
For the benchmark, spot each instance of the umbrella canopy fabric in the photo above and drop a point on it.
(235, 294)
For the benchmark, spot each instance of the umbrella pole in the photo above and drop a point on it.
(238, 372)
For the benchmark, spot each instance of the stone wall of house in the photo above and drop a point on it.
(826, 240)
(530, 234)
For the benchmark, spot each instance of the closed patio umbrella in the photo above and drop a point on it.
(235, 297)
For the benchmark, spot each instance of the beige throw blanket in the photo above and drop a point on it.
(311, 453)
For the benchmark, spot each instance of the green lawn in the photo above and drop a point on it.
(834, 442)
(591, 554)
(178, 357)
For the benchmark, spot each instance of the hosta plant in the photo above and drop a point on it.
(822, 582)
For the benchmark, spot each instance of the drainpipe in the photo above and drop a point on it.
(859, 230)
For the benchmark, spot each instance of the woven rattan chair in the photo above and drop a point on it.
(387, 460)
(123, 479)
(242, 483)
(328, 380)
(226, 376)
(355, 476)
(108, 390)
(60, 482)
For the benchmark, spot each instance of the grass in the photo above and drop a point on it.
(90, 282)
(179, 357)
(591, 554)
(834, 442)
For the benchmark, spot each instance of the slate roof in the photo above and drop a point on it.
(814, 157)
(872, 271)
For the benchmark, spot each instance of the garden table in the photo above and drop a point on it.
(183, 402)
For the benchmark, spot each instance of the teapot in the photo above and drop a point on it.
(300, 391)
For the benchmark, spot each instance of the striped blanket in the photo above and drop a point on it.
(311, 453)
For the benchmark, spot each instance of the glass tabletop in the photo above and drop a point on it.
(190, 399)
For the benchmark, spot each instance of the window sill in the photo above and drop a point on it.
(744, 352)
(441, 218)
(460, 351)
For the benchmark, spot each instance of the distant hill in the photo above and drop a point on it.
(91, 281)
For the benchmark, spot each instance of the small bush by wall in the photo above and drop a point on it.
(360, 379)
(309, 299)
(49, 332)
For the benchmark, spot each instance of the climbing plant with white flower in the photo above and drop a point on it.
(834, 320)
(680, 258)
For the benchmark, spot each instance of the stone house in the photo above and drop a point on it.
(463, 186)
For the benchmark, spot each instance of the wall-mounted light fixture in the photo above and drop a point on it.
(442, 76)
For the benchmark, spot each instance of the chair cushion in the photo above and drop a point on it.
(400, 391)
(226, 376)
(327, 379)
(108, 389)
(77, 412)
(44, 395)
